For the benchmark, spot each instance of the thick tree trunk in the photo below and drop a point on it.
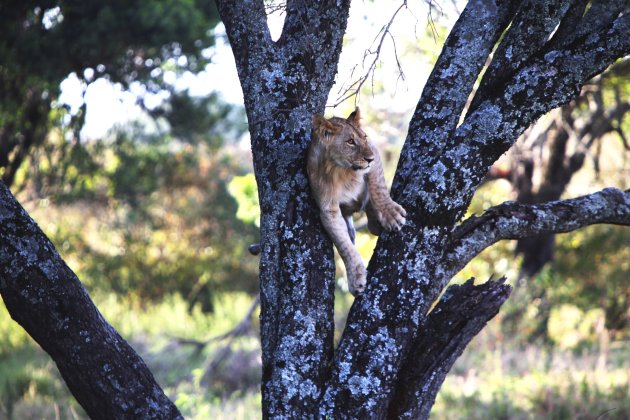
(285, 83)
(394, 353)
(45, 297)
(442, 162)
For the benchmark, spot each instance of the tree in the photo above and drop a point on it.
(46, 40)
(395, 351)
(390, 331)
(544, 160)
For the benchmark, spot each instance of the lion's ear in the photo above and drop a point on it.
(324, 127)
(355, 117)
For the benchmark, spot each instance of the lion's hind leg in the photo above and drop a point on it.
(351, 230)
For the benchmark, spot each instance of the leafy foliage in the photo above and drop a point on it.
(152, 217)
(45, 40)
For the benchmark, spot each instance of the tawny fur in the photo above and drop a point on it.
(346, 176)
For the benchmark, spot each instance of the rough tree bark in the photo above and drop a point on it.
(535, 69)
(394, 353)
(45, 297)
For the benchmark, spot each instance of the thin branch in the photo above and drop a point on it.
(237, 331)
(355, 87)
(430, 20)
(273, 6)
(240, 329)
(515, 221)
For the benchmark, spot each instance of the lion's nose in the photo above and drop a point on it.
(369, 159)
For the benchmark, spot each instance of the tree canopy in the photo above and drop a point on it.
(125, 42)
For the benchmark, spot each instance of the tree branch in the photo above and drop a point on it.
(521, 40)
(462, 312)
(246, 27)
(549, 79)
(306, 22)
(436, 178)
(516, 221)
(45, 297)
(354, 88)
(490, 130)
(570, 21)
(597, 19)
(446, 91)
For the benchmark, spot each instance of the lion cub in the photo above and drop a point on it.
(346, 176)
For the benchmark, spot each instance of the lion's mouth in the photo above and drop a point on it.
(359, 167)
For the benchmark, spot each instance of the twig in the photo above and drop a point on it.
(351, 90)
(240, 329)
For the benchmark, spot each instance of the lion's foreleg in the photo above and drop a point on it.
(390, 214)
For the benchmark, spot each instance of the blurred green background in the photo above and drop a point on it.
(142, 179)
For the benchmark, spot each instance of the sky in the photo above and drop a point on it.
(109, 104)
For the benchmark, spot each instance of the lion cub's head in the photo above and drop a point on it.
(342, 141)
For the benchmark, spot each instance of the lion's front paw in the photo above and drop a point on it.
(357, 279)
(392, 216)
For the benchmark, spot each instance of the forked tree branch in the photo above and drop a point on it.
(447, 89)
(520, 41)
(461, 313)
(516, 221)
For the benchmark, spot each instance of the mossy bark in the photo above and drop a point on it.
(103, 372)
(441, 165)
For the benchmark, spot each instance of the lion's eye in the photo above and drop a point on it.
(351, 142)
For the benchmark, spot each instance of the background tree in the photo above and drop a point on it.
(540, 167)
(544, 160)
(45, 41)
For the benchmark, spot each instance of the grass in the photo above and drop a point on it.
(540, 385)
(496, 377)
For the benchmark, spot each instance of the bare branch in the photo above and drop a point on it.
(515, 221)
(240, 329)
(275, 6)
(523, 39)
(354, 88)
